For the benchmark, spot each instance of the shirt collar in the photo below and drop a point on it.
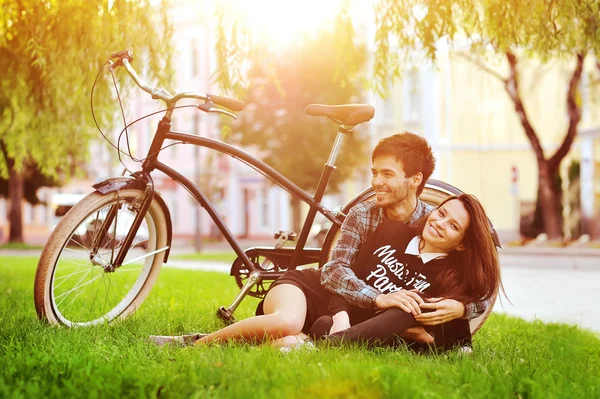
(413, 249)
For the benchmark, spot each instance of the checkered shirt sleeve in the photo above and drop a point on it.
(475, 309)
(336, 275)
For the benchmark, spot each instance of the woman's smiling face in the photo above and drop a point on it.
(446, 227)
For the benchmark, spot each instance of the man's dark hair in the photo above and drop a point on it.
(412, 150)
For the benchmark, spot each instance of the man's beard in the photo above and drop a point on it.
(396, 196)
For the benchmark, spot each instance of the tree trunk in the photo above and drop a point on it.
(296, 215)
(549, 194)
(549, 199)
(15, 189)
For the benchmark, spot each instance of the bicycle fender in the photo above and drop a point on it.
(124, 182)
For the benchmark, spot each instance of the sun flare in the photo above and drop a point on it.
(278, 23)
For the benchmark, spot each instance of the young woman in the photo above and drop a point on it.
(450, 254)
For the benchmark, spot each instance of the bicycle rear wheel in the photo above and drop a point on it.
(76, 289)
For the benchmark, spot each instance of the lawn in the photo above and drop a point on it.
(225, 257)
(512, 358)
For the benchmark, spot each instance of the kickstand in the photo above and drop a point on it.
(226, 314)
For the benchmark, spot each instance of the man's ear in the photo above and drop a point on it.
(416, 180)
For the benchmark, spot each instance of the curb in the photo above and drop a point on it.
(556, 251)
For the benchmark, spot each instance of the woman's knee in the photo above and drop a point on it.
(288, 324)
(287, 305)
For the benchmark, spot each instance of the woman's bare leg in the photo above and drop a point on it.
(285, 313)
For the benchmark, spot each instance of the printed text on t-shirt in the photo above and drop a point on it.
(390, 271)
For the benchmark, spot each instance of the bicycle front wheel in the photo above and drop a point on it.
(75, 287)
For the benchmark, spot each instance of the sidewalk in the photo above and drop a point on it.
(540, 250)
(182, 247)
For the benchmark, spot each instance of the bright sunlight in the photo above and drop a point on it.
(279, 23)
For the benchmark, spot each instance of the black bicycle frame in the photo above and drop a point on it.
(152, 162)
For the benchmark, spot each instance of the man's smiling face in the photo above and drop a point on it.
(389, 180)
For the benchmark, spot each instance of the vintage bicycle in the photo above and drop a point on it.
(103, 257)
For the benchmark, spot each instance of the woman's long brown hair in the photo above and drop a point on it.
(474, 273)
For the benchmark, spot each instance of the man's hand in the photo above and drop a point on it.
(444, 310)
(341, 322)
(409, 301)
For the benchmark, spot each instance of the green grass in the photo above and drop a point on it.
(225, 257)
(512, 359)
(20, 245)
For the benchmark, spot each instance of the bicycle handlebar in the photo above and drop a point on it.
(126, 56)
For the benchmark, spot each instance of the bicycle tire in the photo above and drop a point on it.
(122, 290)
(434, 193)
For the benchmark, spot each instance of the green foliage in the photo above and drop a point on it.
(50, 52)
(282, 85)
(33, 179)
(512, 358)
(546, 29)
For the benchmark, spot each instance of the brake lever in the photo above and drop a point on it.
(209, 108)
(128, 53)
(120, 56)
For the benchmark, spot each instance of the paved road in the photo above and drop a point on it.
(553, 288)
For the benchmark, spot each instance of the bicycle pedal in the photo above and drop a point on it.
(285, 235)
(225, 315)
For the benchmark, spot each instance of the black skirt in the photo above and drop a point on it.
(317, 297)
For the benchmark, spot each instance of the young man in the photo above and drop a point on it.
(402, 163)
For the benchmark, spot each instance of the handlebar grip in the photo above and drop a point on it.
(128, 53)
(232, 104)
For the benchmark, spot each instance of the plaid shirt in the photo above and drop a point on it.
(339, 278)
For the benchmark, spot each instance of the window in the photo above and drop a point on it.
(387, 110)
(264, 207)
(196, 122)
(195, 67)
(412, 98)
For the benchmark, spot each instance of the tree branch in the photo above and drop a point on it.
(481, 65)
(512, 88)
(574, 111)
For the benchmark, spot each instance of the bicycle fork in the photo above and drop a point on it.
(226, 314)
(140, 207)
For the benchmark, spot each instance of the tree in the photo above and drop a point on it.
(548, 213)
(50, 52)
(32, 179)
(274, 121)
(543, 29)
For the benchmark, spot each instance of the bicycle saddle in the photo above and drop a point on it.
(349, 114)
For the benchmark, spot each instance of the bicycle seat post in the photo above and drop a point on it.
(328, 169)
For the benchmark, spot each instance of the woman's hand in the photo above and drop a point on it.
(341, 322)
(409, 301)
(444, 310)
